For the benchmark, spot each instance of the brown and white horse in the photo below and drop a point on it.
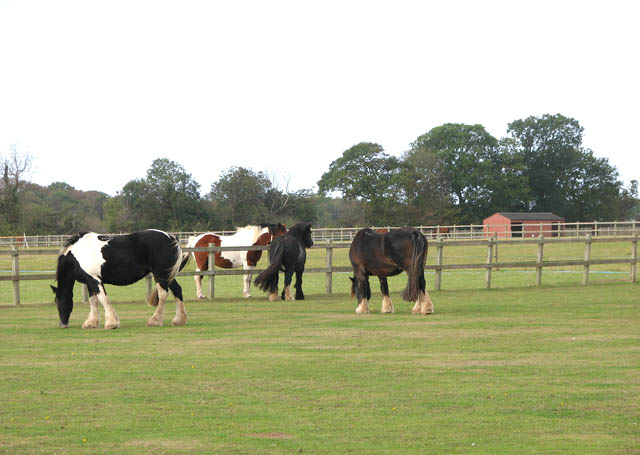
(262, 234)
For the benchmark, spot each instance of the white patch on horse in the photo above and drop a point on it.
(88, 252)
(158, 230)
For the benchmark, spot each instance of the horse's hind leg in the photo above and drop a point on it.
(198, 280)
(181, 312)
(387, 304)
(298, 285)
(286, 291)
(246, 287)
(93, 320)
(363, 292)
(156, 319)
(111, 319)
(423, 305)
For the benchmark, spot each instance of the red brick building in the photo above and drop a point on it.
(510, 224)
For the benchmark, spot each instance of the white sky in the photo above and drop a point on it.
(96, 90)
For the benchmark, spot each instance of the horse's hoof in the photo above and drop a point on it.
(362, 309)
(112, 326)
(201, 297)
(177, 322)
(90, 325)
(154, 323)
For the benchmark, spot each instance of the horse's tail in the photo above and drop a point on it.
(268, 278)
(153, 297)
(416, 269)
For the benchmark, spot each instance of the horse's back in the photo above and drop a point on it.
(129, 258)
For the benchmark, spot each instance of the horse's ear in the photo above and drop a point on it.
(54, 289)
(308, 226)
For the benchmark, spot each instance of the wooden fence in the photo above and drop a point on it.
(491, 262)
(452, 232)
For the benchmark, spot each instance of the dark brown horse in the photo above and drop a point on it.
(385, 255)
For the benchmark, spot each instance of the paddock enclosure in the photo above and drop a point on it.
(451, 264)
(537, 363)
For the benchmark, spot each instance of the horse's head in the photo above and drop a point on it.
(64, 302)
(307, 237)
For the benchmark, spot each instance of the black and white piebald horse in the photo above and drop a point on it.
(95, 260)
(385, 254)
(287, 253)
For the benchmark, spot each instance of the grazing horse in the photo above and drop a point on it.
(385, 255)
(246, 236)
(95, 259)
(286, 253)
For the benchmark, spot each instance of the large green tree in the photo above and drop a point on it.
(563, 176)
(238, 197)
(167, 198)
(480, 174)
(365, 172)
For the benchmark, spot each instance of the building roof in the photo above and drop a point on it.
(531, 216)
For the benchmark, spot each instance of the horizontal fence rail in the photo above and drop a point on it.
(440, 244)
(453, 232)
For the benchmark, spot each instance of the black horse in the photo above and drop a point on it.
(385, 255)
(95, 259)
(287, 253)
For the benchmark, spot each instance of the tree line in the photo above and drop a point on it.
(453, 174)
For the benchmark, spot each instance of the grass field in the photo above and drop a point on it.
(552, 369)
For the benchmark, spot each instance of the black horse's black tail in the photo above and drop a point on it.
(416, 270)
(268, 278)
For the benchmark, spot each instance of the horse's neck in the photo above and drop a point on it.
(65, 285)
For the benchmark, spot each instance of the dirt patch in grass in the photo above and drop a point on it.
(269, 436)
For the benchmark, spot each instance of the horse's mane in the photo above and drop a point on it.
(73, 239)
(70, 241)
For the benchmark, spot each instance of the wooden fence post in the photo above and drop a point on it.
(329, 274)
(212, 268)
(439, 254)
(587, 258)
(15, 272)
(487, 277)
(634, 258)
(539, 260)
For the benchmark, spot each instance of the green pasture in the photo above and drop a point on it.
(231, 286)
(551, 369)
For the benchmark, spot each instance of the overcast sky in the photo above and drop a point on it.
(96, 90)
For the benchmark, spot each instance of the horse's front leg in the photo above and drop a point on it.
(298, 285)
(111, 319)
(93, 320)
(246, 287)
(286, 291)
(387, 304)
